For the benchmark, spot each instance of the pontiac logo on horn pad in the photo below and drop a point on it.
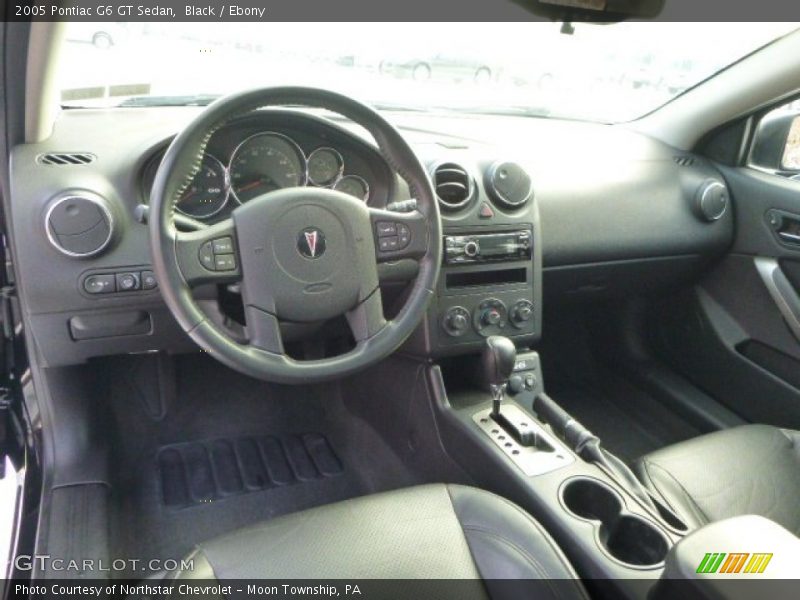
(311, 243)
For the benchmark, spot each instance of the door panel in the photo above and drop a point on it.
(737, 334)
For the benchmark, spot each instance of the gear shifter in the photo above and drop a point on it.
(498, 360)
(499, 356)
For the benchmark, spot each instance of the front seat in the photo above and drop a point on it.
(752, 469)
(428, 532)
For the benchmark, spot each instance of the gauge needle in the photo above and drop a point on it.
(251, 185)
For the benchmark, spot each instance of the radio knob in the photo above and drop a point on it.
(472, 248)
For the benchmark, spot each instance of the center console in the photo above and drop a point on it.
(525, 447)
(490, 282)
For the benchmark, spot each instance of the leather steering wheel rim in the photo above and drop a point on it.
(175, 253)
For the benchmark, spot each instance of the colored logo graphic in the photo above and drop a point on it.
(311, 243)
(735, 562)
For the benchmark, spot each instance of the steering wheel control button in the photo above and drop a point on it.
(207, 256)
(392, 236)
(311, 243)
(386, 229)
(217, 254)
(100, 284)
(388, 244)
(127, 282)
(148, 279)
(223, 245)
(456, 321)
(224, 262)
(403, 235)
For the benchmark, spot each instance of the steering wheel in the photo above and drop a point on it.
(301, 254)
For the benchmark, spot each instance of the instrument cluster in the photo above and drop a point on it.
(241, 164)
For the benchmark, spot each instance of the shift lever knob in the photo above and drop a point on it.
(499, 356)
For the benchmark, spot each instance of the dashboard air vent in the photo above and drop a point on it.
(65, 158)
(684, 160)
(453, 185)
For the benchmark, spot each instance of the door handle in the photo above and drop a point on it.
(790, 238)
(785, 226)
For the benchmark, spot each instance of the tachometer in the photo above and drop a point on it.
(353, 185)
(208, 191)
(266, 162)
(324, 166)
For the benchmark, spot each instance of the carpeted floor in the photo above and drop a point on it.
(230, 451)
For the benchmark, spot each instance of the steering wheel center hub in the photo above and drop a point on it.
(305, 252)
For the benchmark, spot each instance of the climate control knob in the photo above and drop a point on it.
(456, 321)
(521, 313)
(490, 317)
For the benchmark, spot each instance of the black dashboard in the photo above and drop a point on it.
(589, 211)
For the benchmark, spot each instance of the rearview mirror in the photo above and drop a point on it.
(593, 10)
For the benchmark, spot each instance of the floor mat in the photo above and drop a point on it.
(203, 472)
(230, 452)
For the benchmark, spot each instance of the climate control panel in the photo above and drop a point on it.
(490, 316)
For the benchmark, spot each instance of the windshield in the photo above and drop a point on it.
(605, 73)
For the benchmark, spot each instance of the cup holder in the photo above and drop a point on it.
(628, 538)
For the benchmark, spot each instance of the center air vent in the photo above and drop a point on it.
(453, 184)
(509, 184)
(66, 158)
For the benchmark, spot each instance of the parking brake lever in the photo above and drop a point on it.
(587, 445)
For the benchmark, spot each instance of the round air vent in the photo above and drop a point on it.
(711, 200)
(509, 184)
(454, 185)
(79, 224)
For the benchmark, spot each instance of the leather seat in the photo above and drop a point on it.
(753, 469)
(427, 532)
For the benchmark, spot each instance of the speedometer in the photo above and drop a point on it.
(266, 162)
(207, 192)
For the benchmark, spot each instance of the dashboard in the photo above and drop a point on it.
(533, 211)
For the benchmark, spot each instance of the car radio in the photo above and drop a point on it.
(487, 247)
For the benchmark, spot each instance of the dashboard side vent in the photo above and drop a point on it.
(65, 158)
(454, 186)
(684, 160)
